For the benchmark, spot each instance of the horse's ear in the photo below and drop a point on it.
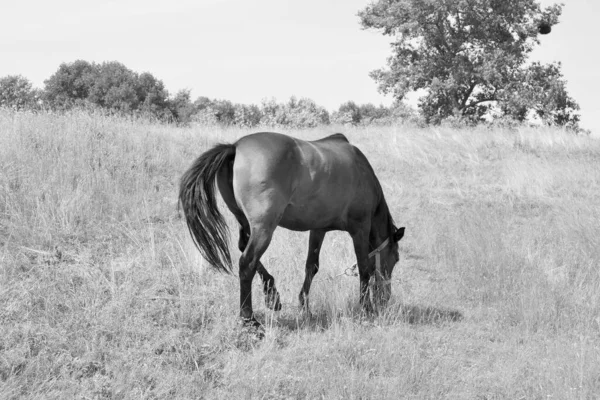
(398, 234)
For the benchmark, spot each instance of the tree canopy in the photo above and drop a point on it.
(109, 85)
(469, 56)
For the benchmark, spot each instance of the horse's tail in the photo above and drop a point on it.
(197, 198)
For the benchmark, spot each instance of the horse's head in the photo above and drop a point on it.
(385, 261)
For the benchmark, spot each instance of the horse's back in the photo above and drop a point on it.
(333, 138)
(268, 145)
(313, 184)
(276, 151)
(276, 142)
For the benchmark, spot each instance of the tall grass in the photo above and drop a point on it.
(102, 294)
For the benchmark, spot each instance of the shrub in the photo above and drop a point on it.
(302, 113)
(246, 116)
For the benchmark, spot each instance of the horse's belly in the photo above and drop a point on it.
(307, 217)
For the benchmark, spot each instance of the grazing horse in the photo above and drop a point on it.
(270, 179)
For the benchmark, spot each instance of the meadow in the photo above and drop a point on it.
(103, 295)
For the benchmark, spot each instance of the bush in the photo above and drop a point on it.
(347, 114)
(305, 113)
(247, 116)
(302, 113)
(350, 113)
(273, 113)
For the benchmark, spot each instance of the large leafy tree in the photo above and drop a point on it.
(470, 55)
(115, 87)
(70, 85)
(109, 85)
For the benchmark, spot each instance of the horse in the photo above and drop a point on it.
(269, 179)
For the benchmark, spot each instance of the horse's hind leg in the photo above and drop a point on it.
(225, 182)
(272, 299)
(259, 240)
(315, 240)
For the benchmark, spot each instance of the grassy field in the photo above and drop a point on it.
(103, 296)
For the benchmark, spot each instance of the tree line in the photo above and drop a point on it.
(114, 87)
(469, 58)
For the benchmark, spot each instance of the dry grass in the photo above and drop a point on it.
(102, 294)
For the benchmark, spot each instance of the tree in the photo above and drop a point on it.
(369, 113)
(18, 93)
(467, 54)
(109, 85)
(202, 103)
(70, 85)
(114, 87)
(152, 96)
(224, 112)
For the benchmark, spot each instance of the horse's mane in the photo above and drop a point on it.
(382, 206)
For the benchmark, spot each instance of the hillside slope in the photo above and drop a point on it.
(102, 294)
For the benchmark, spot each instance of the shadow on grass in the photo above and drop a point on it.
(425, 315)
(319, 320)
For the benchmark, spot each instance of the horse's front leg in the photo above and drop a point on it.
(360, 239)
(315, 240)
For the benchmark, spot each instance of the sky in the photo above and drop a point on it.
(246, 51)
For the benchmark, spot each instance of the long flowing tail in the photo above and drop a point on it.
(197, 198)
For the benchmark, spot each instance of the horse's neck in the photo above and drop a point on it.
(379, 225)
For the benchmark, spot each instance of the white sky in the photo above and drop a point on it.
(245, 51)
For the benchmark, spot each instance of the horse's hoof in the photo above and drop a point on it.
(256, 333)
(305, 312)
(303, 305)
(272, 300)
(251, 328)
(251, 324)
